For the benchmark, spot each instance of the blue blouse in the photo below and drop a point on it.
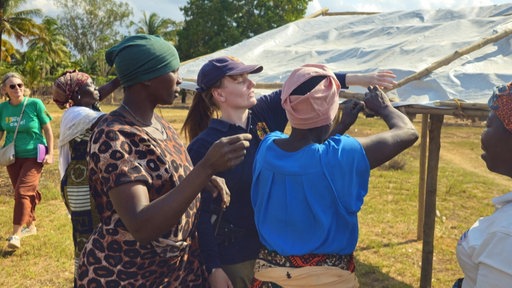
(306, 202)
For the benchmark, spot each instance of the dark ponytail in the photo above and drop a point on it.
(201, 111)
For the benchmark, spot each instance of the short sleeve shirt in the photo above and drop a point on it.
(35, 116)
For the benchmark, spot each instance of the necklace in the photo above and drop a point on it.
(135, 117)
(148, 125)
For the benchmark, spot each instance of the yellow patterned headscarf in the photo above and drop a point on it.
(67, 85)
(501, 103)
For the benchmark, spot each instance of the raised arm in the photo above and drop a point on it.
(383, 79)
(109, 88)
(144, 219)
(383, 146)
(350, 111)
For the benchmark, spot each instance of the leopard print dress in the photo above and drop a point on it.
(120, 152)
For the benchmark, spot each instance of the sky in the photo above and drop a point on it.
(170, 8)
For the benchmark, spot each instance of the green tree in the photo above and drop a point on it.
(49, 52)
(92, 25)
(8, 51)
(16, 24)
(211, 25)
(155, 25)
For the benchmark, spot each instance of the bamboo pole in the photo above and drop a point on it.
(468, 113)
(462, 105)
(447, 60)
(320, 12)
(455, 55)
(349, 13)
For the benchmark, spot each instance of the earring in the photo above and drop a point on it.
(78, 96)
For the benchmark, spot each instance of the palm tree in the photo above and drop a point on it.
(49, 47)
(17, 24)
(155, 25)
(8, 50)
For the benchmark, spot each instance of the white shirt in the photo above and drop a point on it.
(484, 251)
(75, 121)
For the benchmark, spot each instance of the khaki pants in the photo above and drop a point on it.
(240, 274)
(311, 276)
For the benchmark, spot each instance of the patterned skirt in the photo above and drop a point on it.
(77, 197)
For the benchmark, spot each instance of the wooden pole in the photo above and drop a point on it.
(482, 114)
(423, 175)
(455, 55)
(434, 131)
(320, 12)
(349, 13)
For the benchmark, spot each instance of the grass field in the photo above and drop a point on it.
(387, 254)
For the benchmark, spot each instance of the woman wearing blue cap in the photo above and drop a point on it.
(145, 188)
(228, 238)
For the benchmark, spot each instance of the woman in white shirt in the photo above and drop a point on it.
(484, 251)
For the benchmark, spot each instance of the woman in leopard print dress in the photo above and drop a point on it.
(144, 185)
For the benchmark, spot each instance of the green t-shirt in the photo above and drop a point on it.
(30, 132)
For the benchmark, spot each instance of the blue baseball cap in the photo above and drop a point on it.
(216, 68)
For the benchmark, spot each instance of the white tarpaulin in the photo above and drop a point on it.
(402, 41)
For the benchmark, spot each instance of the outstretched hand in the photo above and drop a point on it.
(227, 152)
(384, 79)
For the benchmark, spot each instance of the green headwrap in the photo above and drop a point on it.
(142, 57)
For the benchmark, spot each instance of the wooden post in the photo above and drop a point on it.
(434, 131)
(423, 175)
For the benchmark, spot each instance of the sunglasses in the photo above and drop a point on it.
(13, 86)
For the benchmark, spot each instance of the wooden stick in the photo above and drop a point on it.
(450, 58)
(349, 13)
(459, 104)
(423, 176)
(317, 13)
(434, 146)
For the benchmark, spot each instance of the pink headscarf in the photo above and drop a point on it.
(316, 108)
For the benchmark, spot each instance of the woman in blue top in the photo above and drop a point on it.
(308, 186)
(228, 239)
(26, 171)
